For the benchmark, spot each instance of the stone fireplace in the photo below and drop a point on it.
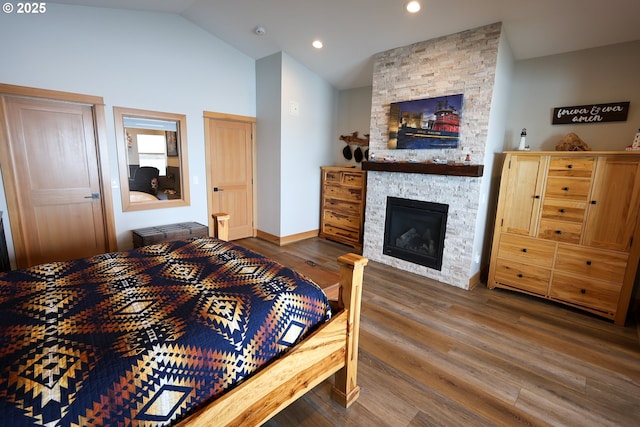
(456, 192)
(461, 63)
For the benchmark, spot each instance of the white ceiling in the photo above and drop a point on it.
(354, 30)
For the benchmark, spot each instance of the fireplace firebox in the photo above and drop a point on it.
(414, 231)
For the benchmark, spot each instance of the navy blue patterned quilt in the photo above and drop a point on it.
(145, 336)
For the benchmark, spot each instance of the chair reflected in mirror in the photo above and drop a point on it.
(145, 179)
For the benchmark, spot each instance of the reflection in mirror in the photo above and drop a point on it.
(152, 158)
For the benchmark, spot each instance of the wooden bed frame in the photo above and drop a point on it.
(332, 349)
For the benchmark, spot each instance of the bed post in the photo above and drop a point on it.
(346, 389)
(221, 225)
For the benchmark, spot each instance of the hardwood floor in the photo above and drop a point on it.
(434, 355)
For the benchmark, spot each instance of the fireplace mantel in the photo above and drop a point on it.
(425, 168)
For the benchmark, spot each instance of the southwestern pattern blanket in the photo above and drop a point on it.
(143, 337)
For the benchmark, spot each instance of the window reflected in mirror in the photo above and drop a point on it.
(152, 159)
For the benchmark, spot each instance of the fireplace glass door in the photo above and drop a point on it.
(414, 231)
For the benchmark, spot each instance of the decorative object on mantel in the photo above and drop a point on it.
(523, 143)
(354, 139)
(572, 142)
(593, 113)
(431, 123)
(635, 146)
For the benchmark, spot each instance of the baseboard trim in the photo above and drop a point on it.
(474, 280)
(285, 240)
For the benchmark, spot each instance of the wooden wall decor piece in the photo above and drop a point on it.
(355, 139)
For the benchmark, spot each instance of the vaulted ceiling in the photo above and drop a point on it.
(353, 31)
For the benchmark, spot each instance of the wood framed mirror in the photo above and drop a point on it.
(152, 159)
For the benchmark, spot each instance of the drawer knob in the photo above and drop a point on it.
(565, 188)
(520, 275)
(558, 231)
(562, 211)
(569, 166)
(583, 291)
(537, 196)
(524, 249)
(589, 262)
(593, 202)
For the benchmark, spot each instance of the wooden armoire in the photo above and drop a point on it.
(567, 228)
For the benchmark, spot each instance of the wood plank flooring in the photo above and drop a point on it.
(434, 355)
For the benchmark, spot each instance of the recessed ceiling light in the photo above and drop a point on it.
(413, 6)
(317, 44)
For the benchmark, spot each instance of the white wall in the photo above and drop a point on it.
(492, 155)
(292, 150)
(268, 128)
(306, 144)
(593, 76)
(354, 115)
(143, 60)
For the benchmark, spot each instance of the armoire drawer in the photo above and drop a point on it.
(526, 250)
(527, 277)
(564, 210)
(593, 263)
(588, 292)
(560, 231)
(571, 166)
(568, 188)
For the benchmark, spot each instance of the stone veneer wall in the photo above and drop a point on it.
(460, 63)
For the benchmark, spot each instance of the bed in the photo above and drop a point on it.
(161, 335)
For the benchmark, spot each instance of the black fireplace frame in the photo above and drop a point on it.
(415, 207)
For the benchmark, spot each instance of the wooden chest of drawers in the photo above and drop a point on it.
(342, 204)
(567, 228)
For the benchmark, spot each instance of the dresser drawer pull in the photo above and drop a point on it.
(520, 275)
(558, 231)
(589, 262)
(524, 249)
(537, 196)
(565, 188)
(583, 291)
(569, 166)
(593, 202)
(562, 210)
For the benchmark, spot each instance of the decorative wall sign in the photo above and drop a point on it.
(594, 113)
(425, 123)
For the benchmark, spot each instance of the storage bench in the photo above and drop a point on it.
(165, 233)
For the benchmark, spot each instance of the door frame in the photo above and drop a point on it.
(209, 163)
(6, 163)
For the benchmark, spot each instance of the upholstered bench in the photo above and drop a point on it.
(165, 233)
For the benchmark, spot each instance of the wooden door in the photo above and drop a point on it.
(614, 203)
(54, 189)
(522, 192)
(229, 146)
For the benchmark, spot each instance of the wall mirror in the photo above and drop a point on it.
(152, 159)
